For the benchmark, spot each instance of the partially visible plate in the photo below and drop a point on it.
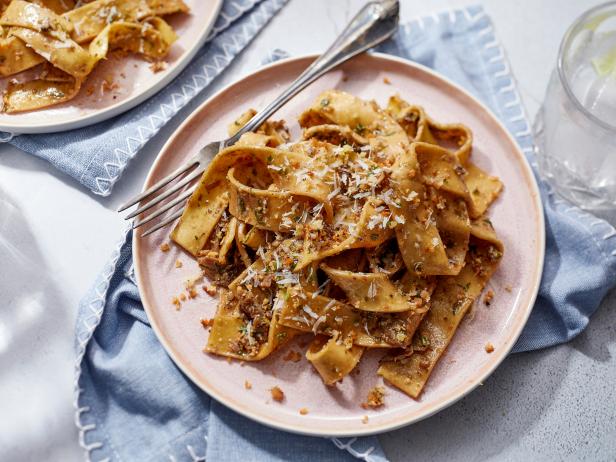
(131, 78)
(335, 411)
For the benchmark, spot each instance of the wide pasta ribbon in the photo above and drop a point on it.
(311, 312)
(33, 33)
(389, 147)
(365, 233)
(48, 34)
(247, 324)
(196, 224)
(458, 139)
(90, 19)
(452, 299)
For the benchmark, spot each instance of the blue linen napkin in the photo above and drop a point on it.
(97, 155)
(134, 404)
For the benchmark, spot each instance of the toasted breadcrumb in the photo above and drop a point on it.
(487, 299)
(247, 385)
(210, 290)
(489, 347)
(207, 323)
(293, 356)
(158, 66)
(192, 293)
(164, 247)
(178, 263)
(386, 81)
(303, 411)
(364, 419)
(108, 84)
(183, 297)
(375, 398)
(176, 302)
(277, 394)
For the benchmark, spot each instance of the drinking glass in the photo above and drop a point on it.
(576, 127)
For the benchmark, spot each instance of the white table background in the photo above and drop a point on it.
(558, 403)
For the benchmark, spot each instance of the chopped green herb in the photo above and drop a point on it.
(281, 336)
(260, 212)
(259, 216)
(456, 306)
(494, 253)
(324, 102)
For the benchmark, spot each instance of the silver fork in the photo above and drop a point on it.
(374, 23)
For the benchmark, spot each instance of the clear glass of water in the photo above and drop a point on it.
(576, 127)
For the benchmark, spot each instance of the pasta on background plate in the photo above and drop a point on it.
(368, 232)
(61, 41)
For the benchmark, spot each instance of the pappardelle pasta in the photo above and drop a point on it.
(368, 232)
(61, 41)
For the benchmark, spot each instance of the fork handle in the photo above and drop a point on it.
(375, 23)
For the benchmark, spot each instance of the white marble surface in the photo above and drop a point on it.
(548, 405)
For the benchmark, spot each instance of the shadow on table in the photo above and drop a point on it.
(36, 357)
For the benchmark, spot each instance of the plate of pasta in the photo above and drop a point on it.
(65, 64)
(357, 264)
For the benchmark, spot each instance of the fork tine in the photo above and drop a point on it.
(176, 187)
(164, 223)
(164, 208)
(159, 184)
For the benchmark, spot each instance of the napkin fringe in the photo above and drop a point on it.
(225, 19)
(603, 239)
(348, 446)
(85, 332)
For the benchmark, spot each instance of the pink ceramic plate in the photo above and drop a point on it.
(336, 411)
(132, 80)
